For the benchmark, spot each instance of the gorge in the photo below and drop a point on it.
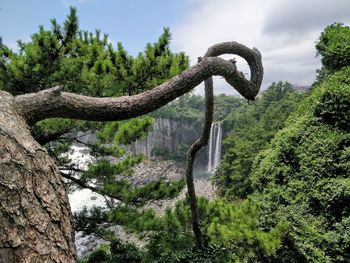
(169, 139)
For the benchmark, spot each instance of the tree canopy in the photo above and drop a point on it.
(333, 47)
(86, 62)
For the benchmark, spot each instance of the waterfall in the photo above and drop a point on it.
(214, 154)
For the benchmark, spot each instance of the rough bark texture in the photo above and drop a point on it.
(35, 217)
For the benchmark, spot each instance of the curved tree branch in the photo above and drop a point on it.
(254, 60)
(54, 103)
(252, 56)
(191, 154)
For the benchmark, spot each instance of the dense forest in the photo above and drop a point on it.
(283, 182)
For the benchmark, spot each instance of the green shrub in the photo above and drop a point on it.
(334, 104)
(303, 177)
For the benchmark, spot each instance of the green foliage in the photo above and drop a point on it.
(124, 252)
(159, 190)
(128, 211)
(98, 221)
(292, 170)
(333, 106)
(89, 221)
(231, 232)
(103, 174)
(191, 107)
(237, 228)
(295, 181)
(303, 177)
(133, 219)
(115, 252)
(85, 63)
(187, 108)
(124, 132)
(334, 46)
(252, 126)
(51, 126)
(211, 253)
(224, 105)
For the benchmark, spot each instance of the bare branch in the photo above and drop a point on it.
(191, 154)
(54, 103)
(253, 57)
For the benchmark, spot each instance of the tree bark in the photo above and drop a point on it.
(252, 56)
(191, 155)
(35, 217)
(36, 223)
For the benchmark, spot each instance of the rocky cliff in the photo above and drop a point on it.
(166, 134)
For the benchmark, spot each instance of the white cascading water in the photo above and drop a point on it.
(210, 148)
(80, 198)
(214, 147)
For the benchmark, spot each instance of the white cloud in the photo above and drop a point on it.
(284, 31)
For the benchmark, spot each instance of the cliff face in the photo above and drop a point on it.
(165, 134)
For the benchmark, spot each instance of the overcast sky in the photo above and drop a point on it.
(284, 31)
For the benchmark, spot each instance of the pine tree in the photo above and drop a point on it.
(35, 209)
(86, 63)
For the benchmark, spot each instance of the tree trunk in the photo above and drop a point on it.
(35, 216)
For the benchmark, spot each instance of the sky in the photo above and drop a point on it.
(284, 31)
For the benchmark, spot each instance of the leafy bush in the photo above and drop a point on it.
(231, 233)
(115, 252)
(333, 106)
(252, 127)
(124, 252)
(334, 46)
(303, 178)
